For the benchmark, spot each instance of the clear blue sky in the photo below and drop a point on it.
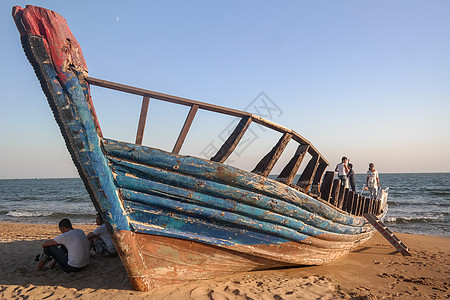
(365, 79)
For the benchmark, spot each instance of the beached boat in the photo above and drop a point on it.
(176, 218)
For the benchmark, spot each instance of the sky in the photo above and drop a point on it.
(369, 80)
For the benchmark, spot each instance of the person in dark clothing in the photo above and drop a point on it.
(351, 178)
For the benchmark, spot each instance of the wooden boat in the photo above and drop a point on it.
(176, 218)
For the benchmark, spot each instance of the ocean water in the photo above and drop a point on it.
(418, 203)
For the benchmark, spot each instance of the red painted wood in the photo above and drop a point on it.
(59, 41)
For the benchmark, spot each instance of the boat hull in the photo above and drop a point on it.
(153, 260)
(176, 218)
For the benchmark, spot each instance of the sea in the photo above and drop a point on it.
(419, 203)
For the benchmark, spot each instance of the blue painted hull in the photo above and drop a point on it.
(177, 218)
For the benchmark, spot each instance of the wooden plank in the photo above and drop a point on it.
(267, 163)
(358, 206)
(327, 185)
(366, 205)
(341, 196)
(335, 192)
(233, 140)
(142, 120)
(377, 206)
(354, 204)
(361, 206)
(315, 188)
(165, 97)
(304, 182)
(312, 150)
(371, 205)
(349, 201)
(290, 170)
(270, 124)
(185, 129)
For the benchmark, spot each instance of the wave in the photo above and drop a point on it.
(404, 220)
(411, 203)
(24, 213)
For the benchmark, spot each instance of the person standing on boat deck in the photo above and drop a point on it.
(76, 244)
(100, 239)
(342, 170)
(372, 181)
(351, 178)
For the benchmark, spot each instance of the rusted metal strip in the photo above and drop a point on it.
(233, 140)
(185, 129)
(290, 170)
(304, 182)
(267, 163)
(315, 188)
(327, 185)
(142, 120)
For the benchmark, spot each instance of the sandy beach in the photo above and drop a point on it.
(373, 271)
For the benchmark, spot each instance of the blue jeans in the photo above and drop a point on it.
(61, 258)
(344, 180)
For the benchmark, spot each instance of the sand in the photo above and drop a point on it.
(373, 271)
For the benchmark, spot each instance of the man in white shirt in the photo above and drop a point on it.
(343, 170)
(100, 239)
(76, 244)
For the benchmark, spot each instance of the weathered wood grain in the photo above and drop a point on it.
(290, 170)
(305, 180)
(233, 140)
(142, 120)
(317, 181)
(267, 163)
(335, 192)
(185, 129)
(327, 185)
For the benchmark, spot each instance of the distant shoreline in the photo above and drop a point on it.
(381, 173)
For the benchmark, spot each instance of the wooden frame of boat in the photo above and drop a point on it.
(176, 218)
(311, 180)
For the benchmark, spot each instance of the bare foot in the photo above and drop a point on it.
(51, 265)
(42, 261)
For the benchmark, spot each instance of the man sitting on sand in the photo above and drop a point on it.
(75, 243)
(100, 239)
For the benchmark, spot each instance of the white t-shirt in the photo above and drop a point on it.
(341, 169)
(372, 182)
(77, 245)
(102, 232)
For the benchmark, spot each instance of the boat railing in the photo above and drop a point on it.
(313, 180)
